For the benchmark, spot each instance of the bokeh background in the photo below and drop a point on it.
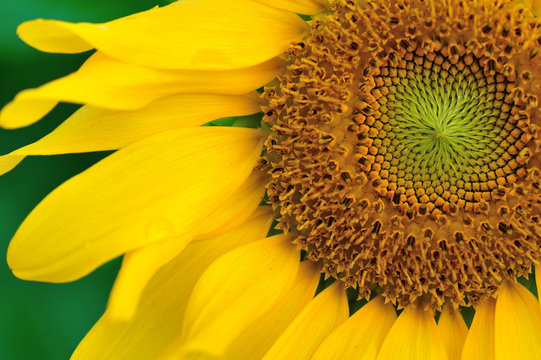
(45, 321)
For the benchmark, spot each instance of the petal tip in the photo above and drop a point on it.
(24, 110)
(51, 36)
(9, 162)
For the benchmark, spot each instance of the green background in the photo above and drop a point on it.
(44, 321)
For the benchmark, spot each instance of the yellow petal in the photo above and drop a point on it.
(237, 290)
(210, 34)
(517, 324)
(257, 339)
(315, 322)
(112, 84)
(359, 337)
(159, 317)
(413, 336)
(308, 7)
(140, 265)
(453, 331)
(479, 343)
(158, 187)
(9, 162)
(236, 209)
(31, 105)
(95, 129)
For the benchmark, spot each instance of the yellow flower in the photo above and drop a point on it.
(399, 148)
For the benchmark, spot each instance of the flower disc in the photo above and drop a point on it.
(403, 151)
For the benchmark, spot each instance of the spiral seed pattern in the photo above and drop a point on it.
(403, 150)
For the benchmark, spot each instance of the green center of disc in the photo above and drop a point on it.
(437, 124)
(441, 119)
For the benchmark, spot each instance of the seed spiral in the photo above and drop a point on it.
(403, 150)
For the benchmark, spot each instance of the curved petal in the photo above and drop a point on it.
(359, 337)
(257, 339)
(235, 291)
(517, 324)
(315, 322)
(158, 187)
(453, 331)
(233, 212)
(112, 84)
(413, 336)
(309, 7)
(154, 328)
(479, 343)
(9, 162)
(199, 35)
(95, 129)
(140, 265)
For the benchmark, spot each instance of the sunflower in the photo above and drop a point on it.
(389, 179)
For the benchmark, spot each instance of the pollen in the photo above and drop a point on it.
(403, 150)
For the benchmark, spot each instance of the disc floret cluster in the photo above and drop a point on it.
(403, 152)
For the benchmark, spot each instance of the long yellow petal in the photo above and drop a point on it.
(140, 265)
(413, 336)
(95, 129)
(479, 343)
(158, 187)
(315, 322)
(517, 324)
(237, 290)
(308, 7)
(453, 331)
(256, 340)
(160, 315)
(202, 35)
(112, 84)
(359, 337)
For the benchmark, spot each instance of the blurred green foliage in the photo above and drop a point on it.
(45, 321)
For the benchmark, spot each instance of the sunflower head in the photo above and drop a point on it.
(403, 152)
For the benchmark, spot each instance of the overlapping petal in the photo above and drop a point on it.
(359, 337)
(160, 315)
(517, 324)
(235, 291)
(413, 336)
(95, 129)
(140, 265)
(257, 339)
(479, 344)
(453, 331)
(308, 7)
(156, 188)
(234, 211)
(314, 323)
(111, 84)
(202, 35)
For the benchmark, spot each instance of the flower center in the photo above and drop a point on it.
(403, 149)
